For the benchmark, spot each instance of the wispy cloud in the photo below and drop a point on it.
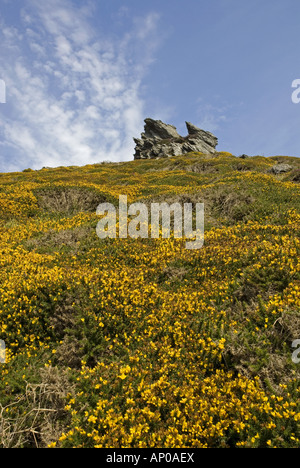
(74, 96)
(213, 114)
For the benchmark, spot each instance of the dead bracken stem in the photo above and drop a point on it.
(34, 419)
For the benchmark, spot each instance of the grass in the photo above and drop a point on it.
(140, 342)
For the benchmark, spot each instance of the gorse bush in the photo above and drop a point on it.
(141, 342)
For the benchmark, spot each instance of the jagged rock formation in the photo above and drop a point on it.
(161, 140)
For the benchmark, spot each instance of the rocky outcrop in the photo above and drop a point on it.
(161, 140)
(281, 168)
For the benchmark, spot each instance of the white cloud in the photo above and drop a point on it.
(146, 26)
(211, 116)
(75, 98)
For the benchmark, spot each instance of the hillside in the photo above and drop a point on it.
(141, 342)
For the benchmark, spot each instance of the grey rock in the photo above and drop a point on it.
(161, 140)
(192, 129)
(196, 134)
(281, 168)
(158, 129)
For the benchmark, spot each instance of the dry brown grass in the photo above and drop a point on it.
(36, 418)
(69, 200)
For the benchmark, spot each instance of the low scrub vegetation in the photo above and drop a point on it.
(141, 342)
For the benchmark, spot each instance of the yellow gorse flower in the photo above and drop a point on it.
(142, 343)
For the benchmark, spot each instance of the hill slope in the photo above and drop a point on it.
(141, 342)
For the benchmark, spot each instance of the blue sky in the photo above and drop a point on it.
(81, 76)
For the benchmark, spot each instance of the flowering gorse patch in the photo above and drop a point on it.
(142, 342)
